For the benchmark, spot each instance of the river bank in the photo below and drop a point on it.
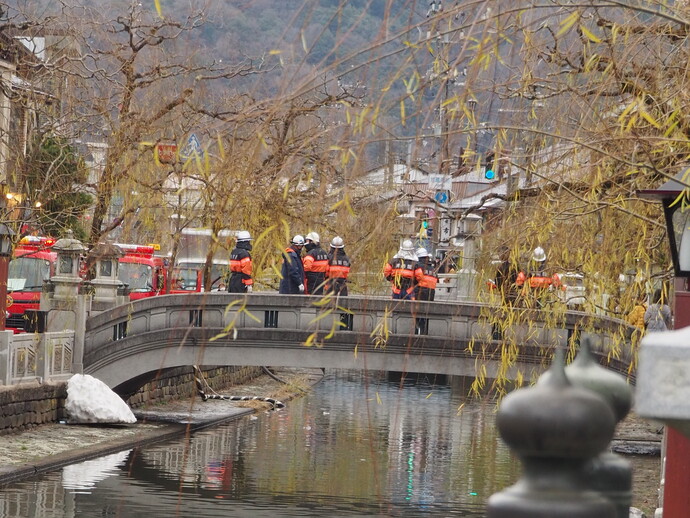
(50, 447)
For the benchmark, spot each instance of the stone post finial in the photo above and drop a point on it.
(608, 473)
(554, 446)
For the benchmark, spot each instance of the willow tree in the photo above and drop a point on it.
(592, 109)
(584, 101)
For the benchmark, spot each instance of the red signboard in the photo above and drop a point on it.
(166, 153)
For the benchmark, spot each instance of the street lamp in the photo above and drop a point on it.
(6, 234)
(675, 198)
(676, 201)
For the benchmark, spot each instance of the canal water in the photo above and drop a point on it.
(360, 444)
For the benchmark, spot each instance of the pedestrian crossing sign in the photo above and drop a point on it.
(192, 148)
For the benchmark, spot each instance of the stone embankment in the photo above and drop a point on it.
(33, 449)
(25, 406)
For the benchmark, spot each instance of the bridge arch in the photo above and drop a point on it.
(128, 345)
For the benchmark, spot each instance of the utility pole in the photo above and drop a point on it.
(446, 75)
(445, 152)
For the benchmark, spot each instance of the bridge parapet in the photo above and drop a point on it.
(28, 357)
(271, 329)
(452, 320)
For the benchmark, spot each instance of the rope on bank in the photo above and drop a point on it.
(201, 383)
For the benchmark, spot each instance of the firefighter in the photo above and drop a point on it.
(292, 270)
(506, 277)
(536, 284)
(426, 276)
(241, 265)
(315, 265)
(400, 271)
(338, 268)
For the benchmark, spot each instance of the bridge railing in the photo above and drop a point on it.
(28, 357)
(377, 317)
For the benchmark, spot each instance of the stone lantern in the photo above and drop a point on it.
(66, 308)
(104, 258)
(67, 279)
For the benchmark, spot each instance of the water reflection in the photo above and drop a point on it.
(359, 445)
(85, 475)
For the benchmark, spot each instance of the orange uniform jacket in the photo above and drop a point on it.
(400, 272)
(315, 267)
(338, 271)
(316, 262)
(426, 276)
(339, 268)
(241, 263)
(538, 281)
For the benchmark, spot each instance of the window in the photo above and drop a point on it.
(106, 268)
(139, 277)
(66, 264)
(27, 273)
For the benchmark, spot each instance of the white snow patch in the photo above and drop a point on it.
(678, 337)
(91, 401)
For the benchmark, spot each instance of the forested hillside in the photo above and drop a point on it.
(295, 36)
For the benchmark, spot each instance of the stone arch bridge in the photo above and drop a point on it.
(129, 345)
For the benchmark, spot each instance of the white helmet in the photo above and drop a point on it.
(421, 252)
(407, 246)
(298, 240)
(244, 235)
(539, 255)
(313, 237)
(337, 242)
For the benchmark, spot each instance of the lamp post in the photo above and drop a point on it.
(6, 234)
(675, 197)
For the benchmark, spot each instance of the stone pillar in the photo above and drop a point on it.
(5, 367)
(42, 357)
(106, 283)
(66, 307)
(661, 393)
(83, 310)
(555, 447)
(608, 473)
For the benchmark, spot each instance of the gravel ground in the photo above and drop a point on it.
(637, 433)
(52, 446)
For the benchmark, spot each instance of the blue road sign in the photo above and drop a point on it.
(441, 196)
(192, 147)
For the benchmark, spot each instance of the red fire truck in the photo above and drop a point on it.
(146, 274)
(32, 263)
(142, 271)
